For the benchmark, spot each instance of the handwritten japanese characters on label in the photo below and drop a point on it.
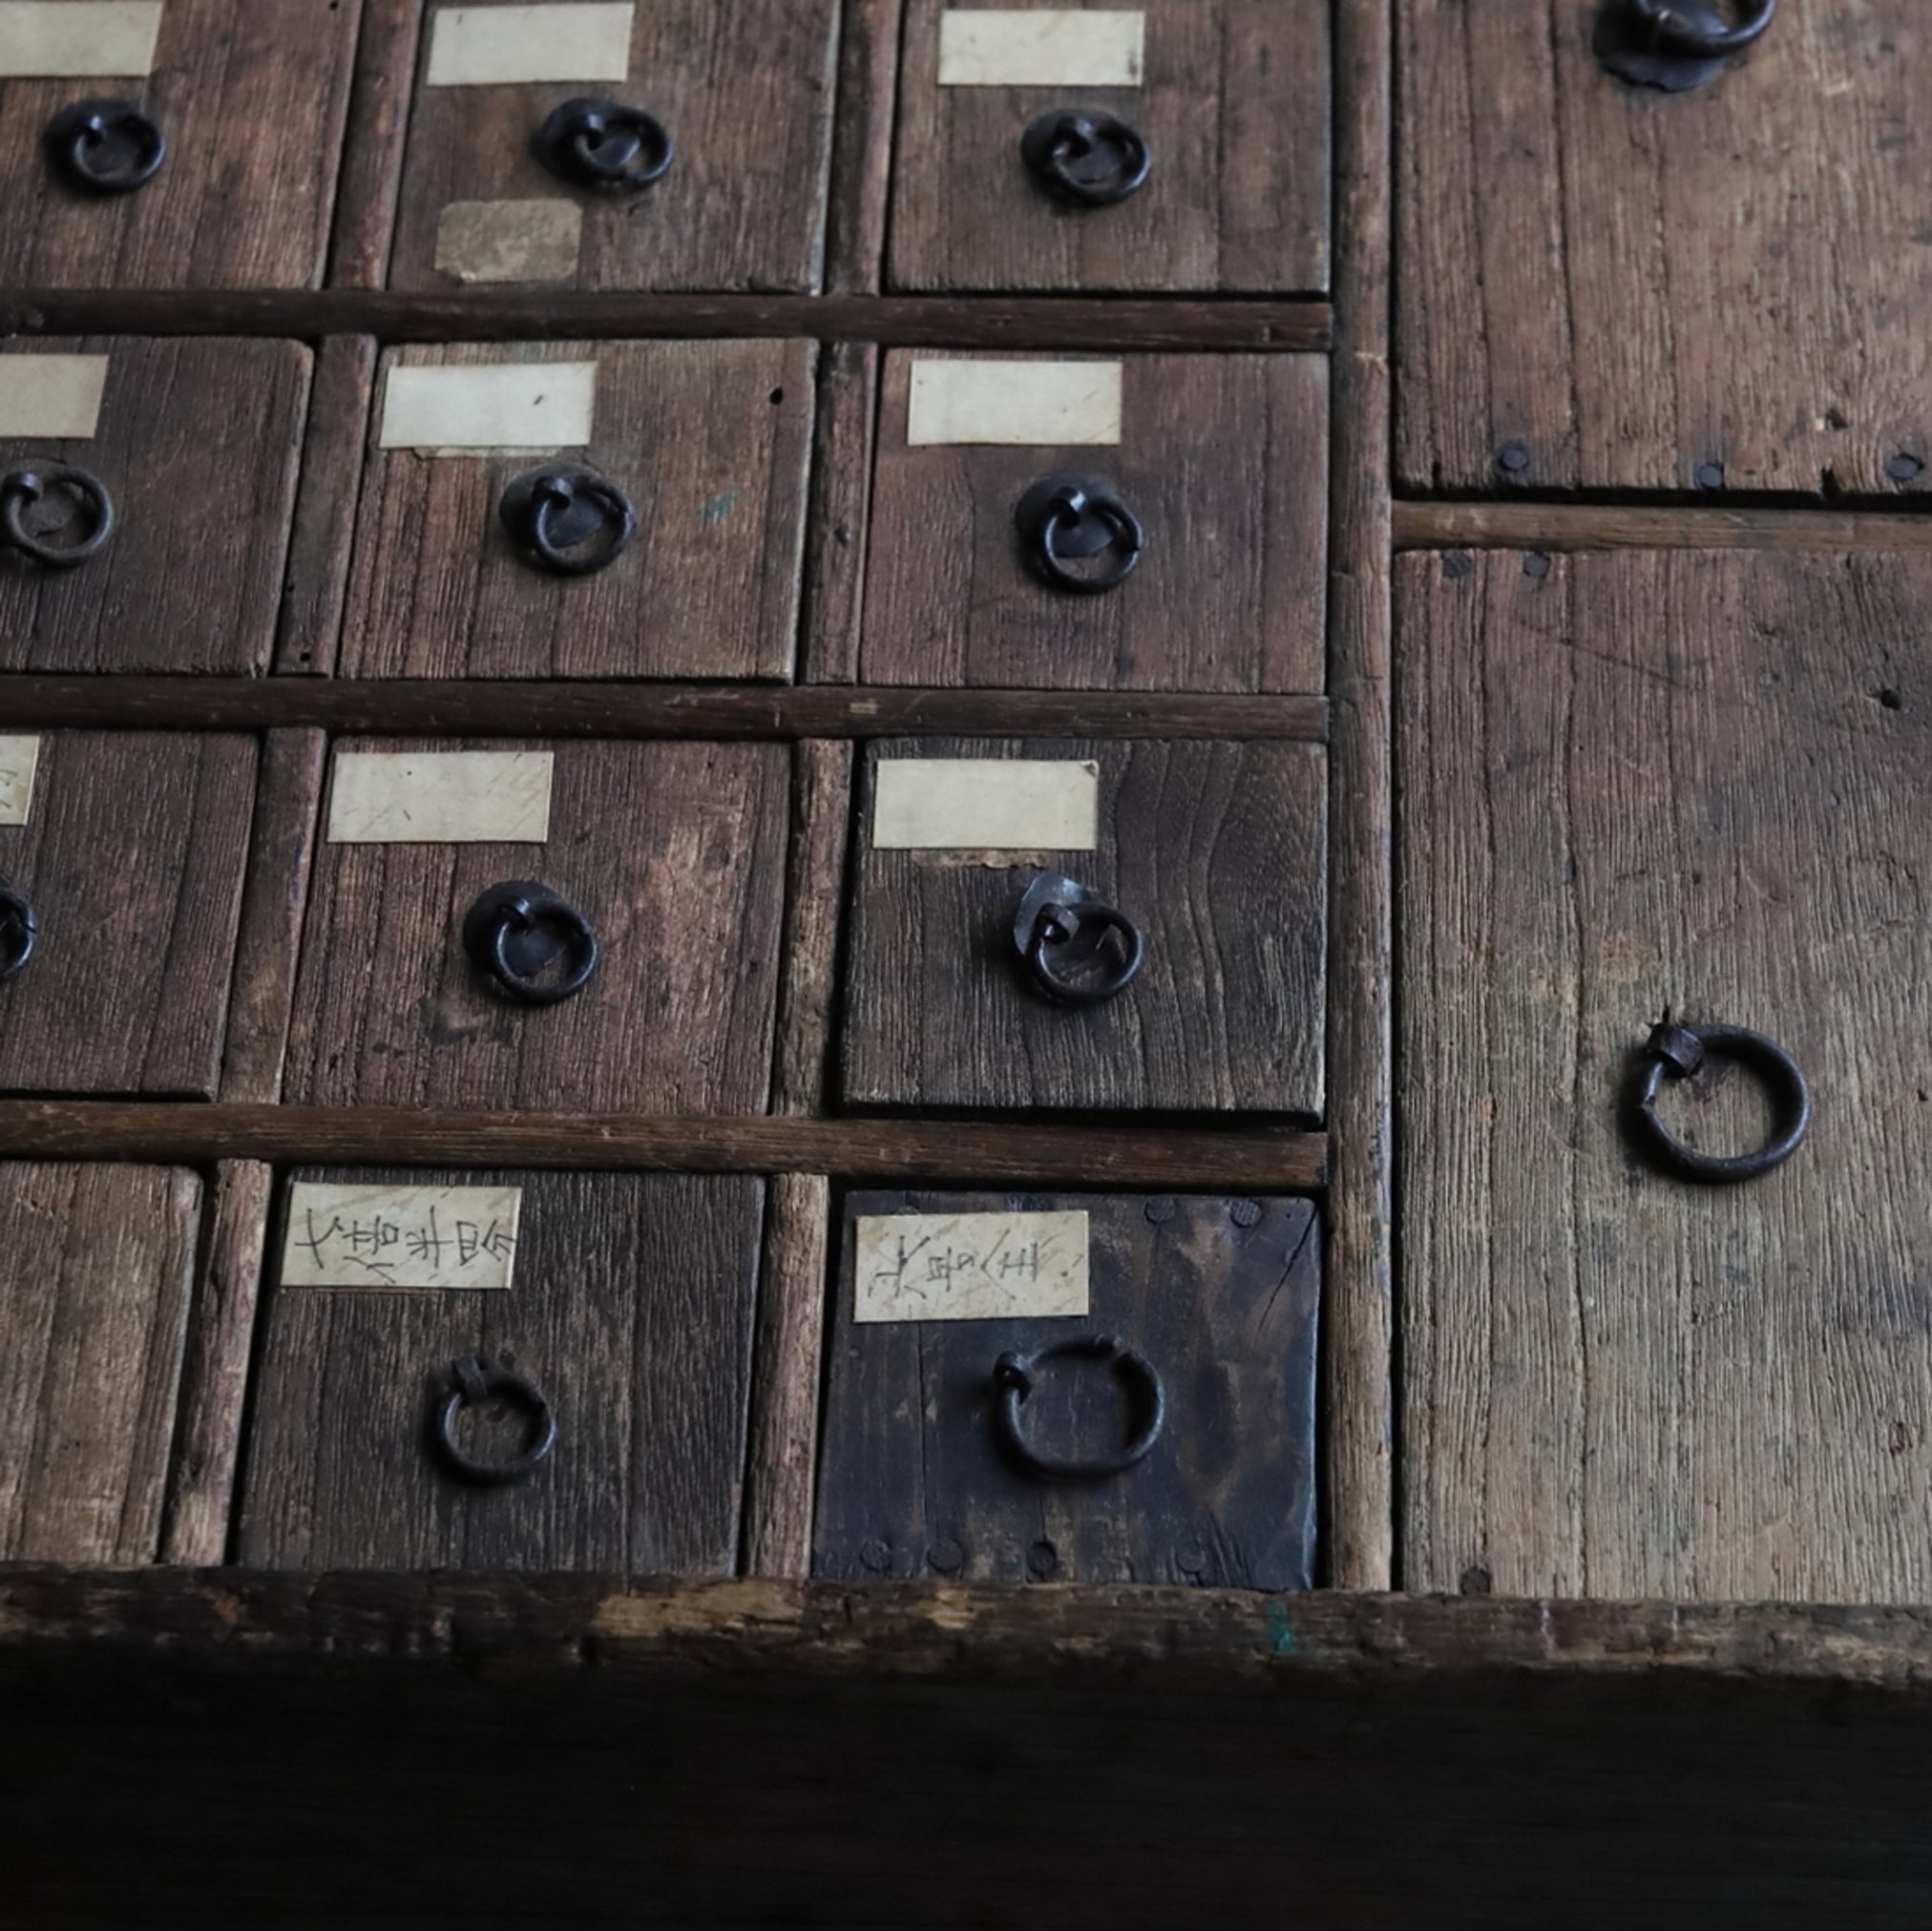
(970, 1267)
(400, 1236)
(19, 760)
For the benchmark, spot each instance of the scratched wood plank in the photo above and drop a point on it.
(1630, 289)
(632, 1309)
(1628, 781)
(94, 1302)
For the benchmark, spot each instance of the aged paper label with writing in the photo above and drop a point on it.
(510, 240)
(969, 1267)
(1041, 47)
(441, 797)
(19, 760)
(471, 409)
(79, 39)
(1035, 403)
(55, 396)
(400, 1236)
(508, 46)
(985, 804)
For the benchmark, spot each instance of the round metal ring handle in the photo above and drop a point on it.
(1676, 45)
(21, 489)
(1015, 1376)
(1053, 912)
(105, 147)
(1063, 521)
(520, 929)
(475, 1379)
(19, 928)
(603, 144)
(568, 518)
(1090, 159)
(1677, 1052)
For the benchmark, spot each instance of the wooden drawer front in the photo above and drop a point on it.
(197, 444)
(743, 92)
(1232, 104)
(675, 855)
(709, 441)
(94, 1302)
(1221, 460)
(629, 1310)
(919, 1477)
(131, 857)
(1604, 285)
(1216, 851)
(1639, 782)
(249, 97)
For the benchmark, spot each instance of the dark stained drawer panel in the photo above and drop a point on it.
(674, 855)
(742, 93)
(936, 1447)
(1204, 479)
(247, 98)
(187, 453)
(624, 1301)
(1224, 102)
(93, 1301)
(1605, 286)
(1215, 852)
(707, 442)
(126, 848)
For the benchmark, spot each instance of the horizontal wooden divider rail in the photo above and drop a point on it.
(1623, 526)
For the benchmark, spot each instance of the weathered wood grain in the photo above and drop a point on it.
(315, 580)
(815, 903)
(1234, 106)
(675, 853)
(1628, 289)
(93, 1299)
(1636, 525)
(632, 1308)
(1218, 852)
(1224, 463)
(862, 145)
(133, 858)
(372, 143)
(1629, 784)
(199, 444)
(839, 517)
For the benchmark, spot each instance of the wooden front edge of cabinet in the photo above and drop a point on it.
(1620, 526)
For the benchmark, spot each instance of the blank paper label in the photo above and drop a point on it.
(54, 396)
(503, 406)
(970, 1267)
(79, 39)
(505, 46)
(440, 798)
(509, 240)
(1042, 46)
(984, 805)
(400, 1236)
(19, 759)
(1043, 403)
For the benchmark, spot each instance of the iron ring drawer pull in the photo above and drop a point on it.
(18, 931)
(567, 518)
(1677, 1052)
(1090, 159)
(105, 147)
(1106, 945)
(603, 144)
(1015, 1377)
(1063, 521)
(1676, 45)
(21, 489)
(476, 1379)
(517, 929)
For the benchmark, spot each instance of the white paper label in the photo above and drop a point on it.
(985, 804)
(79, 39)
(509, 240)
(970, 1267)
(440, 798)
(507, 46)
(468, 408)
(54, 396)
(19, 760)
(1039, 403)
(1041, 47)
(400, 1236)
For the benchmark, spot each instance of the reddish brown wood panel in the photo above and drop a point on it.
(1609, 286)
(675, 853)
(1234, 107)
(198, 446)
(1223, 460)
(631, 1309)
(710, 441)
(1217, 851)
(745, 93)
(1631, 783)
(131, 856)
(94, 1302)
(251, 96)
